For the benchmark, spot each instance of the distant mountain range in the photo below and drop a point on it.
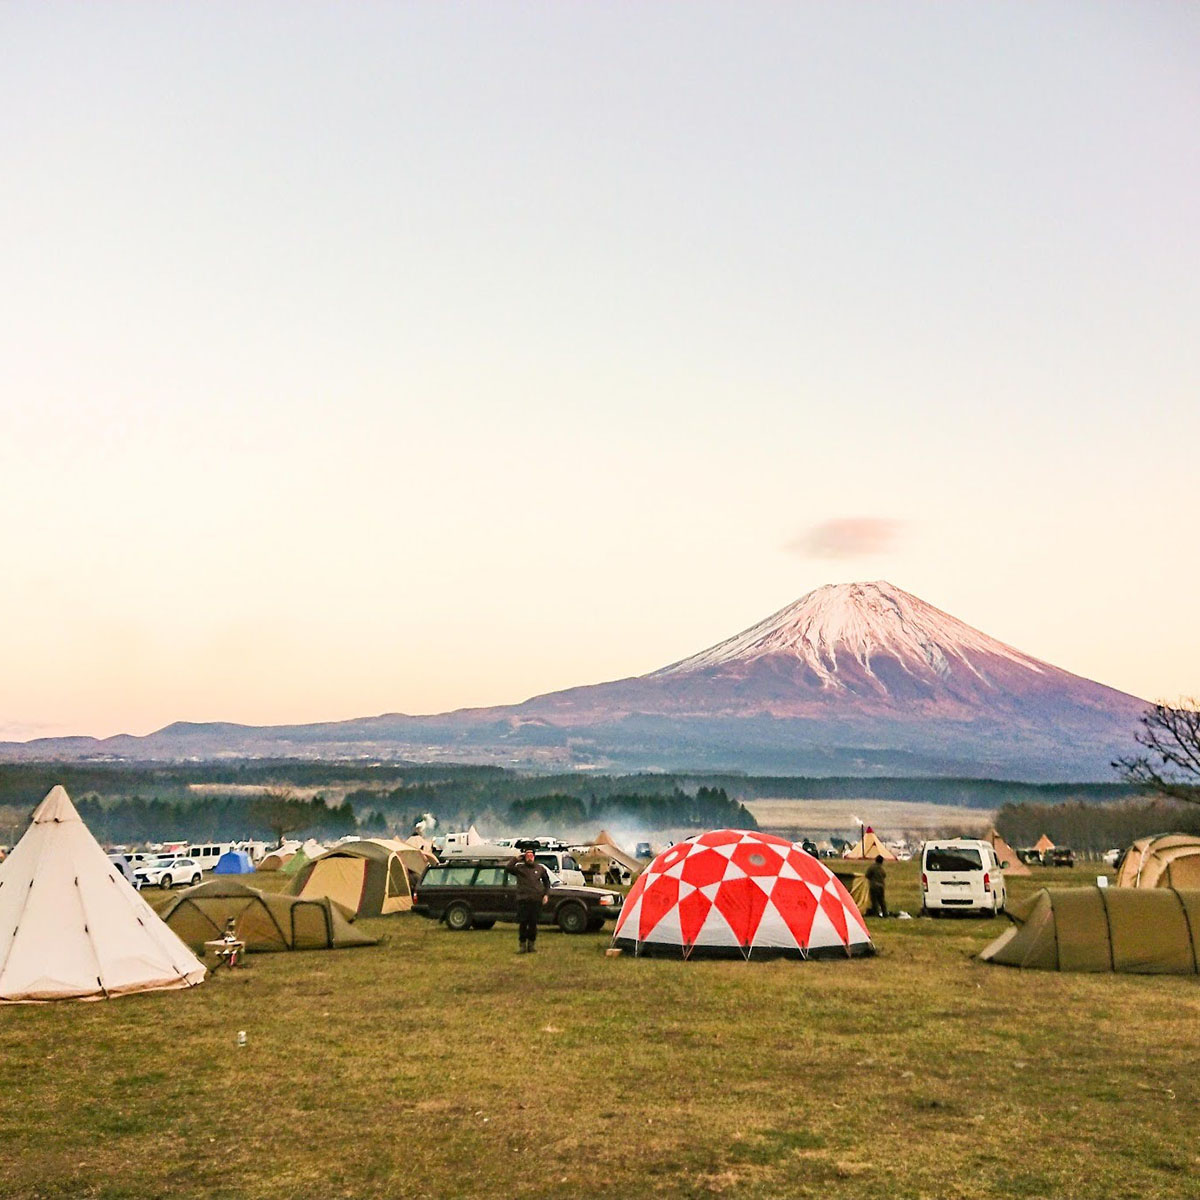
(851, 679)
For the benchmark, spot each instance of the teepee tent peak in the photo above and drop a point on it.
(869, 846)
(1043, 844)
(56, 808)
(72, 927)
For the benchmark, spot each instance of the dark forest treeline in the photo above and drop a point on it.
(707, 808)
(1094, 828)
(24, 784)
(228, 818)
(151, 801)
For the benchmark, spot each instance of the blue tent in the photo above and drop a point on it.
(233, 862)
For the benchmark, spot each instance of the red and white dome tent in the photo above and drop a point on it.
(731, 893)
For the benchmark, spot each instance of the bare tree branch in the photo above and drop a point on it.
(1171, 735)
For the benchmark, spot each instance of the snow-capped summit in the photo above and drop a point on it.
(839, 624)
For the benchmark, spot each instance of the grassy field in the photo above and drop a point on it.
(444, 1065)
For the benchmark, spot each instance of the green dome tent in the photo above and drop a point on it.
(1141, 931)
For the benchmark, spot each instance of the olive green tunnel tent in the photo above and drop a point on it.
(265, 921)
(1165, 860)
(1140, 931)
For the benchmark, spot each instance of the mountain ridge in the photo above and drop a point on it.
(858, 673)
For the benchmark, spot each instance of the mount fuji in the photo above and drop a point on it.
(856, 678)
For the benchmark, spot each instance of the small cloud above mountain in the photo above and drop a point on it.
(847, 537)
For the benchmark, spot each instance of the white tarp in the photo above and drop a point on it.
(71, 927)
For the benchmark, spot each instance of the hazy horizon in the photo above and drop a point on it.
(368, 359)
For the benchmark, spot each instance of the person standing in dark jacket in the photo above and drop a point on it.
(533, 890)
(877, 883)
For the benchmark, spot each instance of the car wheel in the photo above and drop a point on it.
(478, 924)
(595, 924)
(572, 918)
(195, 879)
(165, 881)
(458, 917)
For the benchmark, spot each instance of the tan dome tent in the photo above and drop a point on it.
(1170, 860)
(1141, 931)
(277, 859)
(1006, 856)
(368, 878)
(72, 927)
(263, 920)
(869, 846)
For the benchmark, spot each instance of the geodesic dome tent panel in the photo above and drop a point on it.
(732, 893)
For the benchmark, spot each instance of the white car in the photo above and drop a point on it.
(961, 875)
(168, 872)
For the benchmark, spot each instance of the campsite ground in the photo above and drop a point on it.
(443, 1065)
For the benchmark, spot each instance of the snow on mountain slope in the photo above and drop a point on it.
(858, 622)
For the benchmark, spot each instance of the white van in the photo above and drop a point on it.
(961, 875)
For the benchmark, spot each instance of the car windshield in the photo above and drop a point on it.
(957, 858)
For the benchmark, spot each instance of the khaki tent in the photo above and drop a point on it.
(1171, 860)
(263, 920)
(857, 886)
(868, 846)
(72, 927)
(278, 858)
(1006, 856)
(595, 856)
(368, 878)
(1043, 844)
(1143, 931)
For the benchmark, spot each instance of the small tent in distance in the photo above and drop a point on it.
(1006, 856)
(1167, 860)
(265, 921)
(869, 846)
(1141, 931)
(598, 855)
(1043, 844)
(234, 862)
(72, 927)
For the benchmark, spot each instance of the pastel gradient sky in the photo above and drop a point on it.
(363, 358)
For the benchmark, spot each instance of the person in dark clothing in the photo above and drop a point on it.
(533, 890)
(876, 881)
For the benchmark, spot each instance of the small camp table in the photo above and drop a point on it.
(225, 952)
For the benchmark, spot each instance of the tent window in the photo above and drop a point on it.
(397, 885)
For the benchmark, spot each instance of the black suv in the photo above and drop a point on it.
(472, 893)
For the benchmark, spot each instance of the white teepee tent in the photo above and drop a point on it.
(71, 927)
